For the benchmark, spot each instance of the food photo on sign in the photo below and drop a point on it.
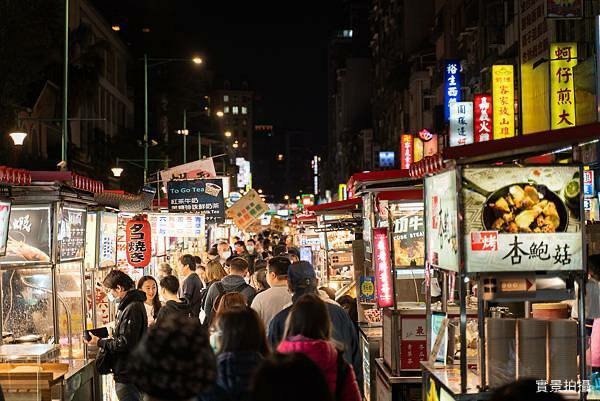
(408, 234)
(4, 223)
(522, 218)
(28, 235)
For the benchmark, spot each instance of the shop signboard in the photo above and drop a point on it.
(418, 149)
(503, 99)
(406, 151)
(383, 268)
(108, 239)
(138, 236)
(204, 168)
(588, 183)
(244, 175)
(367, 289)
(563, 59)
(520, 219)
(204, 196)
(461, 123)
(430, 147)
(386, 159)
(408, 234)
(28, 235)
(482, 110)
(564, 9)
(180, 225)
(441, 223)
(4, 223)
(71, 233)
(277, 224)
(452, 87)
(247, 210)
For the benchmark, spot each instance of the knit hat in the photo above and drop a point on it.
(301, 275)
(174, 360)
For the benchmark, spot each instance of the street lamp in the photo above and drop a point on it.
(157, 61)
(220, 114)
(286, 197)
(18, 138)
(228, 134)
(236, 145)
(117, 171)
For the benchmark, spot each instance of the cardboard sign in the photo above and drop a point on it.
(247, 210)
(199, 169)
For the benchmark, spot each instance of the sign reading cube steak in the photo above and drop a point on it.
(522, 218)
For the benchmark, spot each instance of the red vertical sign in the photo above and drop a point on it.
(383, 268)
(482, 109)
(406, 151)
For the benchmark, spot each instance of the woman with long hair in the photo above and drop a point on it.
(308, 331)
(239, 340)
(149, 286)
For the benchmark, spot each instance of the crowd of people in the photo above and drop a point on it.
(226, 327)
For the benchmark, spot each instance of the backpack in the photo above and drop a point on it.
(342, 373)
(222, 291)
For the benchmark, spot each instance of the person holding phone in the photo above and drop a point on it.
(130, 326)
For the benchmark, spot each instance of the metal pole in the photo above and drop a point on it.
(145, 118)
(184, 136)
(209, 149)
(200, 145)
(65, 88)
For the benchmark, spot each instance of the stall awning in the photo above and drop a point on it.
(385, 180)
(412, 194)
(347, 205)
(70, 178)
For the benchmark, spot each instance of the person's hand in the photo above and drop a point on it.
(93, 341)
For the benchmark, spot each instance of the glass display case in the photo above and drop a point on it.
(70, 309)
(27, 305)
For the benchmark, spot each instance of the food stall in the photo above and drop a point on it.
(306, 238)
(43, 312)
(337, 223)
(516, 251)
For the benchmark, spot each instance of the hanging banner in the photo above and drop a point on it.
(563, 57)
(138, 236)
(503, 94)
(4, 223)
(383, 268)
(452, 88)
(108, 240)
(180, 225)
(204, 196)
(441, 220)
(482, 109)
(71, 233)
(204, 168)
(418, 149)
(461, 123)
(406, 151)
(520, 219)
(248, 210)
(28, 235)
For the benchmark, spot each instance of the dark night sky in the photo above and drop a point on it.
(281, 51)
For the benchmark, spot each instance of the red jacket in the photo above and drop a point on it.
(325, 355)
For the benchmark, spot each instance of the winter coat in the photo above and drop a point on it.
(131, 324)
(191, 288)
(172, 307)
(325, 355)
(344, 333)
(235, 370)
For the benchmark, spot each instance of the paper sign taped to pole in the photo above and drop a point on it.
(199, 169)
(247, 210)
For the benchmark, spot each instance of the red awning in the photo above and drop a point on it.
(359, 181)
(411, 194)
(339, 206)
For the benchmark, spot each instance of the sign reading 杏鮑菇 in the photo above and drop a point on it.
(204, 196)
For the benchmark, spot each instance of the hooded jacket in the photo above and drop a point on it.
(231, 283)
(235, 370)
(131, 324)
(325, 355)
(170, 307)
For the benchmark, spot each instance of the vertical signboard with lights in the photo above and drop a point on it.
(315, 168)
(406, 151)
(563, 57)
(452, 93)
(461, 123)
(503, 94)
(482, 110)
(383, 268)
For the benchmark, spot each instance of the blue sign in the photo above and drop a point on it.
(452, 87)
(386, 159)
(367, 289)
(588, 182)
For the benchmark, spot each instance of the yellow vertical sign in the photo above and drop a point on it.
(563, 57)
(417, 149)
(503, 94)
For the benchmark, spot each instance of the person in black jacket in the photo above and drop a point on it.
(191, 286)
(173, 304)
(130, 326)
(303, 280)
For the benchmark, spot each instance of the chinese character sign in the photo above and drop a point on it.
(452, 93)
(482, 110)
(203, 196)
(28, 235)
(406, 151)
(503, 95)
(418, 149)
(588, 183)
(461, 123)
(522, 219)
(71, 233)
(408, 234)
(139, 241)
(4, 221)
(383, 268)
(441, 216)
(563, 58)
(108, 239)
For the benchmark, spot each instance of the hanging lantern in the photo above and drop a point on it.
(138, 236)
